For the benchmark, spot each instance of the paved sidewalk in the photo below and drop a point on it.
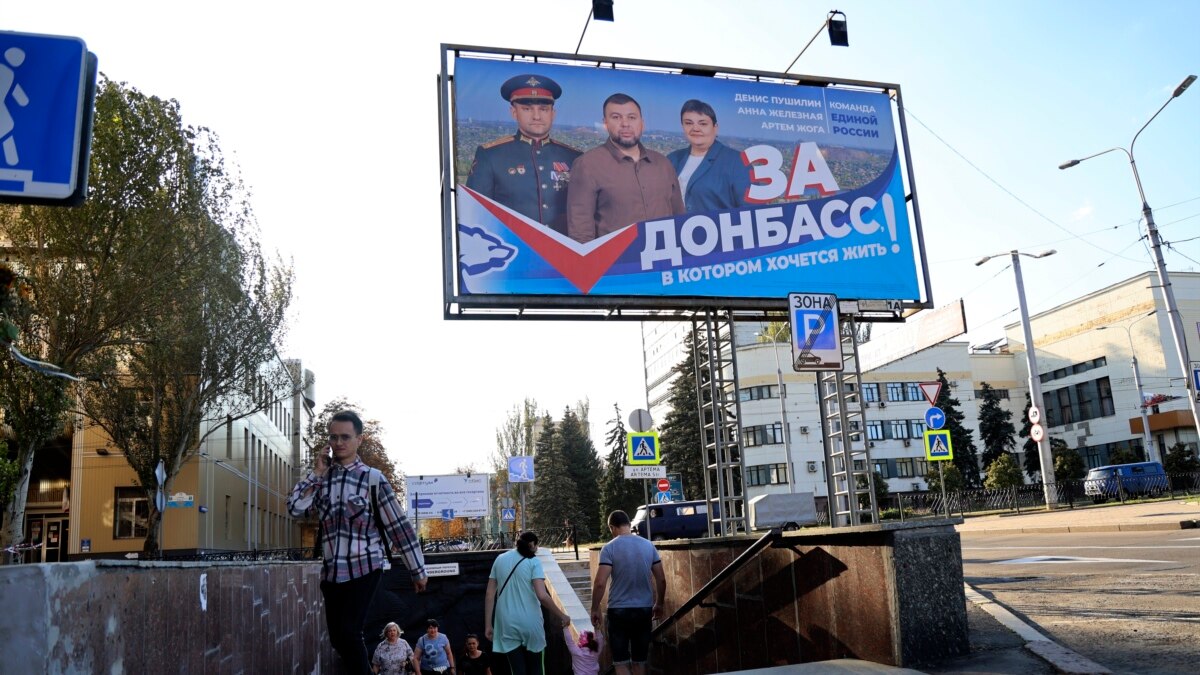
(1165, 515)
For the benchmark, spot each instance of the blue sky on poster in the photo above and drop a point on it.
(331, 113)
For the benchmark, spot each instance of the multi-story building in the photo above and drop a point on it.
(1085, 348)
(85, 500)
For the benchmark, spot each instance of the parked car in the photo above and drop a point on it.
(1138, 478)
(673, 520)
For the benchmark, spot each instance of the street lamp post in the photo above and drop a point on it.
(1147, 441)
(787, 445)
(1164, 280)
(1045, 460)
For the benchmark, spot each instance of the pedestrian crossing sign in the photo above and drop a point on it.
(643, 448)
(937, 445)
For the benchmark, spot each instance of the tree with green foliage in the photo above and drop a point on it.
(371, 451)
(553, 497)
(966, 458)
(881, 491)
(516, 437)
(1068, 463)
(1032, 462)
(1181, 459)
(954, 478)
(617, 492)
(1003, 472)
(160, 207)
(583, 470)
(1123, 455)
(680, 434)
(996, 430)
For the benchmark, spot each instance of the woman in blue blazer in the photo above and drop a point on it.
(712, 176)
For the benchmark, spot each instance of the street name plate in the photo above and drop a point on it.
(646, 472)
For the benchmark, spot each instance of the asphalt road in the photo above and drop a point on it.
(1127, 600)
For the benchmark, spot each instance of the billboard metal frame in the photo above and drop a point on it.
(639, 308)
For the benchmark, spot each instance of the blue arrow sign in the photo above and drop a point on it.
(508, 515)
(447, 514)
(422, 503)
(935, 418)
(44, 86)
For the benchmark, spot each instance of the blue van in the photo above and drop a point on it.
(1139, 478)
(673, 520)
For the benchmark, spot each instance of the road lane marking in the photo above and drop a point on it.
(1067, 548)
(1061, 559)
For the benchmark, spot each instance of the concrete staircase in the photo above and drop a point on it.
(578, 575)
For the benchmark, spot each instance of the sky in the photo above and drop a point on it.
(330, 112)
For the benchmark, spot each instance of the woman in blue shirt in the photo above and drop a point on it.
(433, 653)
(516, 593)
(712, 176)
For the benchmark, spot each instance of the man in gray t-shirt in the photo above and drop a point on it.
(630, 562)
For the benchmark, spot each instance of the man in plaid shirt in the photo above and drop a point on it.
(338, 493)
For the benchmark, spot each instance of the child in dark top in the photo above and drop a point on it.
(474, 661)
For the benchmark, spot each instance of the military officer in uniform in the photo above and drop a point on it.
(528, 171)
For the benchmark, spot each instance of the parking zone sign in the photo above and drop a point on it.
(816, 335)
(643, 448)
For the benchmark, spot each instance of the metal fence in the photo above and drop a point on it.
(557, 539)
(1069, 494)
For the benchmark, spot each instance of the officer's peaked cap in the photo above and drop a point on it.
(530, 89)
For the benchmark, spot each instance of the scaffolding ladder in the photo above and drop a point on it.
(720, 421)
(848, 468)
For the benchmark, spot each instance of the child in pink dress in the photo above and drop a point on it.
(585, 654)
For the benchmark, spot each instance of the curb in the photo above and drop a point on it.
(1060, 658)
(1115, 527)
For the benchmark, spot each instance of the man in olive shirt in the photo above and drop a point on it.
(621, 182)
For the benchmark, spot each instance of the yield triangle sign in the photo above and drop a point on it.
(931, 390)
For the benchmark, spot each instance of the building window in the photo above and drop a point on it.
(860, 465)
(874, 430)
(895, 391)
(904, 468)
(766, 474)
(1064, 406)
(999, 393)
(913, 391)
(881, 467)
(870, 392)
(763, 434)
(131, 517)
(1104, 390)
(917, 427)
(899, 428)
(921, 467)
(758, 393)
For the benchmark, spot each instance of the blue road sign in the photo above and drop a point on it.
(937, 445)
(508, 515)
(447, 514)
(422, 503)
(44, 85)
(662, 497)
(935, 418)
(676, 481)
(643, 448)
(520, 469)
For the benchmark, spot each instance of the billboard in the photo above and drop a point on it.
(682, 190)
(465, 496)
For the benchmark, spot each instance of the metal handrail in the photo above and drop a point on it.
(747, 555)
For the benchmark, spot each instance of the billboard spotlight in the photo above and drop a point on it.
(838, 35)
(602, 10)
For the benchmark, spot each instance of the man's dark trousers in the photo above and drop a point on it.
(346, 606)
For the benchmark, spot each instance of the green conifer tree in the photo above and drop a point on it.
(553, 494)
(583, 470)
(616, 492)
(966, 458)
(996, 430)
(681, 436)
